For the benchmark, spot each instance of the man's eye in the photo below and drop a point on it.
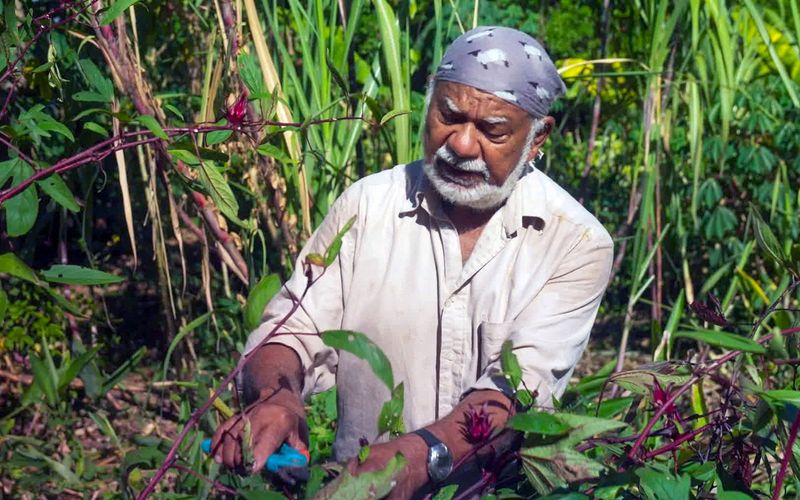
(446, 118)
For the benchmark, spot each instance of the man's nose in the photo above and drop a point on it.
(464, 141)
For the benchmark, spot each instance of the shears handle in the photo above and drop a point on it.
(286, 456)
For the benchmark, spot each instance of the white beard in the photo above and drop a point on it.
(483, 195)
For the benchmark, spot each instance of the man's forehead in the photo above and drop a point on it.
(461, 98)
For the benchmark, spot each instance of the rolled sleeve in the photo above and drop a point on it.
(321, 304)
(551, 333)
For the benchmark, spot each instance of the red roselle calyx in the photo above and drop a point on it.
(478, 424)
(238, 110)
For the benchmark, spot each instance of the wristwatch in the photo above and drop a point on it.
(440, 460)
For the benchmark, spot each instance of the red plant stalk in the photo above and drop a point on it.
(172, 455)
(685, 387)
(787, 455)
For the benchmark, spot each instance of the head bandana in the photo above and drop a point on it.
(504, 62)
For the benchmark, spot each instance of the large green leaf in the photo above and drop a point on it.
(76, 275)
(95, 78)
(661, 485)
(365, 486)
(724, 340)
(766, 239)
(218, 188)
(22, 209)
(250, 73)
(74, 368)
(58, 190)
(11, 264)
(362, 347)
(43, 379)
(116, 9)
(258, 298)
(583, 427)
(781, 396)
(7, 169)
(538, 423)
(551, 466)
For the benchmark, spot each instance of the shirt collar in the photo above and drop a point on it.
(526, 207)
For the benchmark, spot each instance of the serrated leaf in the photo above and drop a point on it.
(658, 485)
(258, 298)
(12, 265)
(69, 274)
(94, 127)
(152, 125)
(559, 466)
(274, 152)
(219, 189)
(724, 340)
(115, 10)
(57, 189)
(391, 417)
(583, 427)
(538, 423)
(23, 208)
(362, 347)
(510, 364)
(336, 245)
(641, 380)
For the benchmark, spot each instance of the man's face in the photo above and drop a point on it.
(476, 145)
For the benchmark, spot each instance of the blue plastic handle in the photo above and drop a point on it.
(286, 456)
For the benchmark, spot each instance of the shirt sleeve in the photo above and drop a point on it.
(321, 305)
(551, 333)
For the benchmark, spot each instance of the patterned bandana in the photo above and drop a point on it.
(504, 62)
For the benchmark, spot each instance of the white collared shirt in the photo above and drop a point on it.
(535, 277)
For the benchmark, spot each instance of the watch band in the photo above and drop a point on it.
(428, 437)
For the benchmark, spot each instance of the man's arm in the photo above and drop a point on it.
(272, 381)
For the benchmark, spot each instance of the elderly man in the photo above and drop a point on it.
(448, 258)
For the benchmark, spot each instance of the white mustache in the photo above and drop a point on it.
(454, 161)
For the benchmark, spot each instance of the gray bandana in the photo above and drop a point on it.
(504, 62)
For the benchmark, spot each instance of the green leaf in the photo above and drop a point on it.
(58, 190)
(336, 245)
(97, 129)
(22, 209)
(559, 465)
(217, 187)
(538, 423)
(583, 427)
(258, 298)
(781, 396)
(362, 347)
(274, 152)
(250, 73)
(184, 331)
(724, 340)
(69, 477)
(69, 274)
(12, 265)
(365, 486)
(510, 364)
(175, 111)
(766, 239)
(185, 156)
(7, 169)
(446, 493)
(391, 417)
(661, 485)
(74, 368)
(98, 81)
(115, 10)
(89, 96)
(393, 114)
(153, 125)
(218, 136)
(43, 380)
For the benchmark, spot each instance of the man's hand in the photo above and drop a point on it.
(272, 383)
(415, 474)
(272, 421)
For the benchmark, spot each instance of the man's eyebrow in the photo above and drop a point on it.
(451, 105)
(495, 120)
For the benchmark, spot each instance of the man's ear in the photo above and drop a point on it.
(548, 122)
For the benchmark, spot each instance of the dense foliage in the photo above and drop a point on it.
(163, 162)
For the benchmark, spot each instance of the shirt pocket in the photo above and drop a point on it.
(492, 336)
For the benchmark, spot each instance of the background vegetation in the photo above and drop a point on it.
(161, 158)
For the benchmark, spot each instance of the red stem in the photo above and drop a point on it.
(787, 455)
(685, 387)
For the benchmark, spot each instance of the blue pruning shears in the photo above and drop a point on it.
(288, 462)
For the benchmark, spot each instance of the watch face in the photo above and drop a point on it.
(440, 462)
